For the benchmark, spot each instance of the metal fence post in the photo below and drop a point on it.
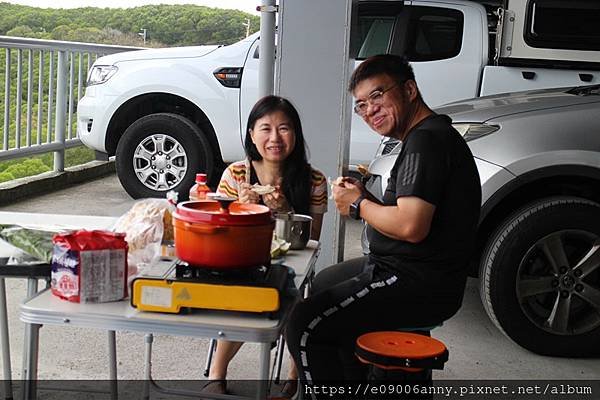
(61, 108)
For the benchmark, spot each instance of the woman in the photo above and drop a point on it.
(276, 156)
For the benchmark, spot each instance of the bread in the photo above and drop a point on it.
(262, 189)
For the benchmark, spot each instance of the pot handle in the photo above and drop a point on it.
(203, 229)
(297, 230)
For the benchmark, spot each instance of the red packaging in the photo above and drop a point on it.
(89, 266)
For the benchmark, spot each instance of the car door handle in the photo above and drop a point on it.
(586, 77)
(528, 74)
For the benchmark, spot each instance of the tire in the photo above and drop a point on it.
(147, 171)
(520, 288)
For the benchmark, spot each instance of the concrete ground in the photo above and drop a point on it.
(478, 350)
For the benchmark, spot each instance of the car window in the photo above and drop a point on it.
(563, 24)
(433, 33)
(374, 35)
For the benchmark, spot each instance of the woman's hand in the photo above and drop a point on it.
(246, 195)
(276, 200)
(345, 192)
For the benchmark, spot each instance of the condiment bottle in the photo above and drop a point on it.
(200, 189)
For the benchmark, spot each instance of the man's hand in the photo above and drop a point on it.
(246, 195)
(345, 192)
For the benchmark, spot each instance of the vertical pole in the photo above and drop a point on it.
(6, 100)
(112, 365)
(19, 98)
(50, 96)
(263, 370)
(266, 64)
(61, 102)
(148, 339)
(6, 367)
(40, 96)
(30, 373)
(29, 95)
(71, 99)
(30, 342)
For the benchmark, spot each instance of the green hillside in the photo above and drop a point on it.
(166, 26)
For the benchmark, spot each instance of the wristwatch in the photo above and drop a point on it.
(354, 211)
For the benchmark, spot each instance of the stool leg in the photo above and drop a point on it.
(211, 350)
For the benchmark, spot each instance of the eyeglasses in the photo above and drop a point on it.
(374, 99)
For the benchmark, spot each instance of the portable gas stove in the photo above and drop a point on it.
(169, 285)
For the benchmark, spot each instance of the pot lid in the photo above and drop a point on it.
(212, 212)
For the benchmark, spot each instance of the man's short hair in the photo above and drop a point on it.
(396, 67)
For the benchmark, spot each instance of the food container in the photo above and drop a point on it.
(293, 228)
(226, 235)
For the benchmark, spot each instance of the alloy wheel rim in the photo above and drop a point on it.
(160, 162)
(558, 283)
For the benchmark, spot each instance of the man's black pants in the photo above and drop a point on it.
(348, 300)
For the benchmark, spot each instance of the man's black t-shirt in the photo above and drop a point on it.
(436, 165)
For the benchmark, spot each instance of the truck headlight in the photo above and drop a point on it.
(100, 74)
(472, 131)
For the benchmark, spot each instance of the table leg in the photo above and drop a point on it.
(148, 339)
(32, 285)
(279, 358)
(211, 351)
(112, 365)
(4, 337)
(31, 363)
(263, 378)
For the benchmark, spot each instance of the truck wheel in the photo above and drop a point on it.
(540, 277)
(162, 152)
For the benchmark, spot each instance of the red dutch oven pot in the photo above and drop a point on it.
(229, 235)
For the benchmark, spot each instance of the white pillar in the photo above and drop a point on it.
(312, 70)
(267, 48)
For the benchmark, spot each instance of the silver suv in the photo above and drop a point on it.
(538, 256)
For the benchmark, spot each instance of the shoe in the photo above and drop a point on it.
(217, 386)
(288, 390)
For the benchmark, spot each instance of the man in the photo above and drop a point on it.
(421, 237)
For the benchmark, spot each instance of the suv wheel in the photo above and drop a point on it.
(540, 277)
(162, 152)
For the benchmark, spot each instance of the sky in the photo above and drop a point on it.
(248, 6)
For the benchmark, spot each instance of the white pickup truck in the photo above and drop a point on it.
(169, 113)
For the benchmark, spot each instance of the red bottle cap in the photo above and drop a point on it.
(200, 178)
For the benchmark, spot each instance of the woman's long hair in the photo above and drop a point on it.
(297, 180)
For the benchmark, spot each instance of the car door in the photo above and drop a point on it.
(447, 47)
(377, 30)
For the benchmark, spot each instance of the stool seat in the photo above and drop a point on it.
(401, 350)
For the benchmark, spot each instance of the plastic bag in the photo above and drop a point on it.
(34, 242)
(146, 226)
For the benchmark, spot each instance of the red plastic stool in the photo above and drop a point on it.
(395, 356)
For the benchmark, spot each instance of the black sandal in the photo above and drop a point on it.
(288, 390)
(216, 386)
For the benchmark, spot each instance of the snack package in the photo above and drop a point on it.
(89, 266)
(147, 225)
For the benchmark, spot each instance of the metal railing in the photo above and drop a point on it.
(44, 79)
